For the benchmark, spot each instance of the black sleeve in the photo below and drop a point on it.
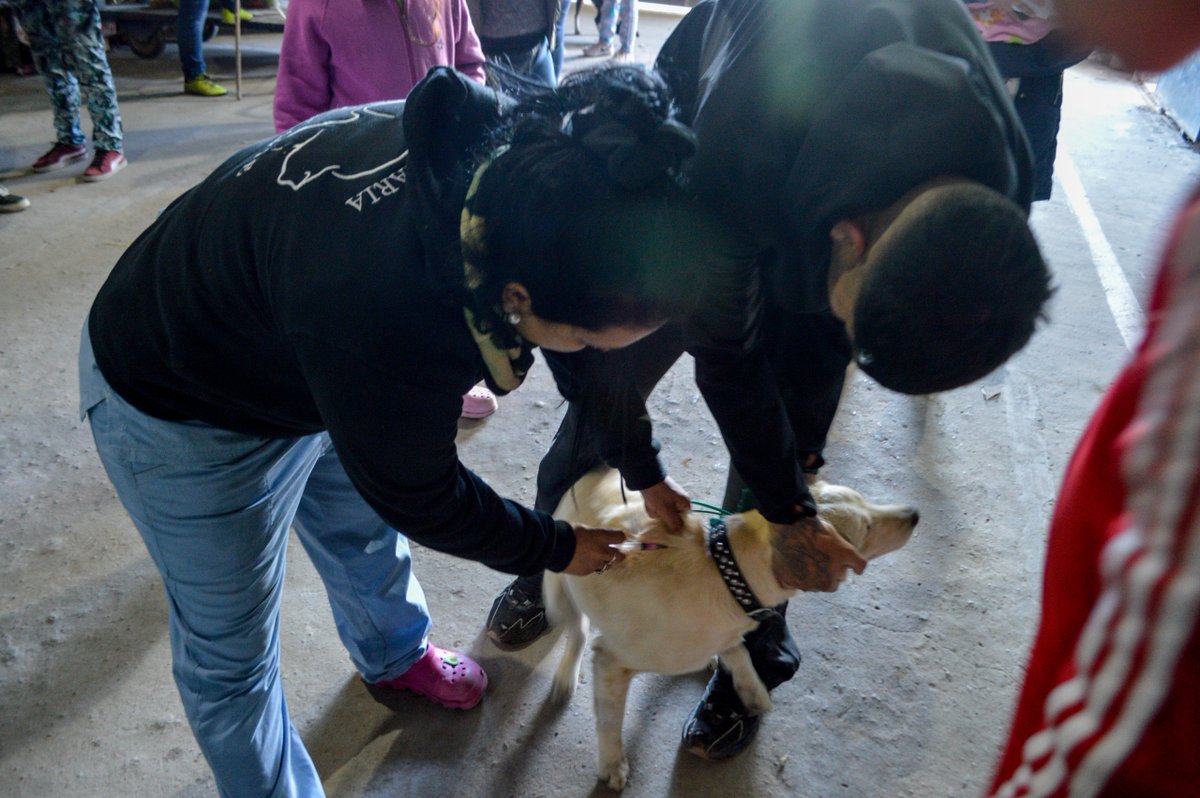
(396, 439)
(613, 409)
(679, 59)
(738, 386)
(732, 371)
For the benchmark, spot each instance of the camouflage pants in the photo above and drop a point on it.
(68, 50)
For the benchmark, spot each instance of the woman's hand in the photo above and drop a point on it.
(809, 554)
(593, 550)
(667, 502)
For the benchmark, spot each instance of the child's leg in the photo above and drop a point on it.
(608, 19)
(628, 25)
(46, 26)
(94, 75)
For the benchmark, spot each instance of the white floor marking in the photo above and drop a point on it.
(1122, 302)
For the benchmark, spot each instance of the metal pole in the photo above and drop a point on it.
(237, 47)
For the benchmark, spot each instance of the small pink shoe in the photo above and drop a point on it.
(479, 402)
(445, 677)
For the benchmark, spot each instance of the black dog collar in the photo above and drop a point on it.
(719, 549)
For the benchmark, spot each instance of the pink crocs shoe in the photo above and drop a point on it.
(479, 402)
(444, 677)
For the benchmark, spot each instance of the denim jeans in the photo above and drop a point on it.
(560, 36)
(189, 33)
(214, 508)
(534, 64)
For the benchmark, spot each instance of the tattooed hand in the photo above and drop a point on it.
(810, 555)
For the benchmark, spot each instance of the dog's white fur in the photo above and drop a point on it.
(667, 610)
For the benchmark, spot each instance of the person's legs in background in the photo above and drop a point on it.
(68, 48)
(90, 63)
(1038, 71)
(607, 24)
(627, 29)
(229, 12)
(519, 72)
(539, 65)
(1039, 105)
(560, 39)
(190, 35)
(45, 23)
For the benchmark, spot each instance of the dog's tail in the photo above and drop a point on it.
(561, 611)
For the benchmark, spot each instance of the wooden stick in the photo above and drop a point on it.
(237, 47)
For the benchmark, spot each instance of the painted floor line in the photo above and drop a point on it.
(1122, 302)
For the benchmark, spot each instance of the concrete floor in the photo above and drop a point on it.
(909, 672)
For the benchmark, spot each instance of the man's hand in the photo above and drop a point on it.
(667, 502)
(593, 552)
(810, 555)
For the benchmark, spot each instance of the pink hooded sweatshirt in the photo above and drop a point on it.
(348, 52)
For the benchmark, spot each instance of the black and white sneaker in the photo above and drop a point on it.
(518, 615)
(719, 727)
(11, 203)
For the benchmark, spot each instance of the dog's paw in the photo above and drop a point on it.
(561, 691)
(615, 774)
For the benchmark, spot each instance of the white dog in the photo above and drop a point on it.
(668, 609)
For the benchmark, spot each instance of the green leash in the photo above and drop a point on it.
(710, 509)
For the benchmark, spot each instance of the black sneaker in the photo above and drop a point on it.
(518, 615)
(11, 203)
(719, 727)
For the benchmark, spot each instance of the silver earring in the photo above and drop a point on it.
(513, 318)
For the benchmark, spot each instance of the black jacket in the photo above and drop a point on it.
(314, 282)
(807, 112)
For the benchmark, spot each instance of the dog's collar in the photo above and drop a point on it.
(719, 549)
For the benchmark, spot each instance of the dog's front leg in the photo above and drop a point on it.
(611, 687)
(745, 679)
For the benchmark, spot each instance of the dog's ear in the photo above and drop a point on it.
(873, 529)
(849, 522)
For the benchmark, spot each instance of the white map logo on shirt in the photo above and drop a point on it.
(295, 173)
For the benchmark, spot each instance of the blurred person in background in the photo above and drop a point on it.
(1110, 702)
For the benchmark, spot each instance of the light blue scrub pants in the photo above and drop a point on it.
(214, 508)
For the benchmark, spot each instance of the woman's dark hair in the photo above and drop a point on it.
(584, 205)
(957, 290)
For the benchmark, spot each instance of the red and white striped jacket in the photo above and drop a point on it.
(1110, 705)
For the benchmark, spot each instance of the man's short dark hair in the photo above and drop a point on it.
(957, 288)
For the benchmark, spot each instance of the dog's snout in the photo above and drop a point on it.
(915, 515)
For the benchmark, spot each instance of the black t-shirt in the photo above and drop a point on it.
(293, 291)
